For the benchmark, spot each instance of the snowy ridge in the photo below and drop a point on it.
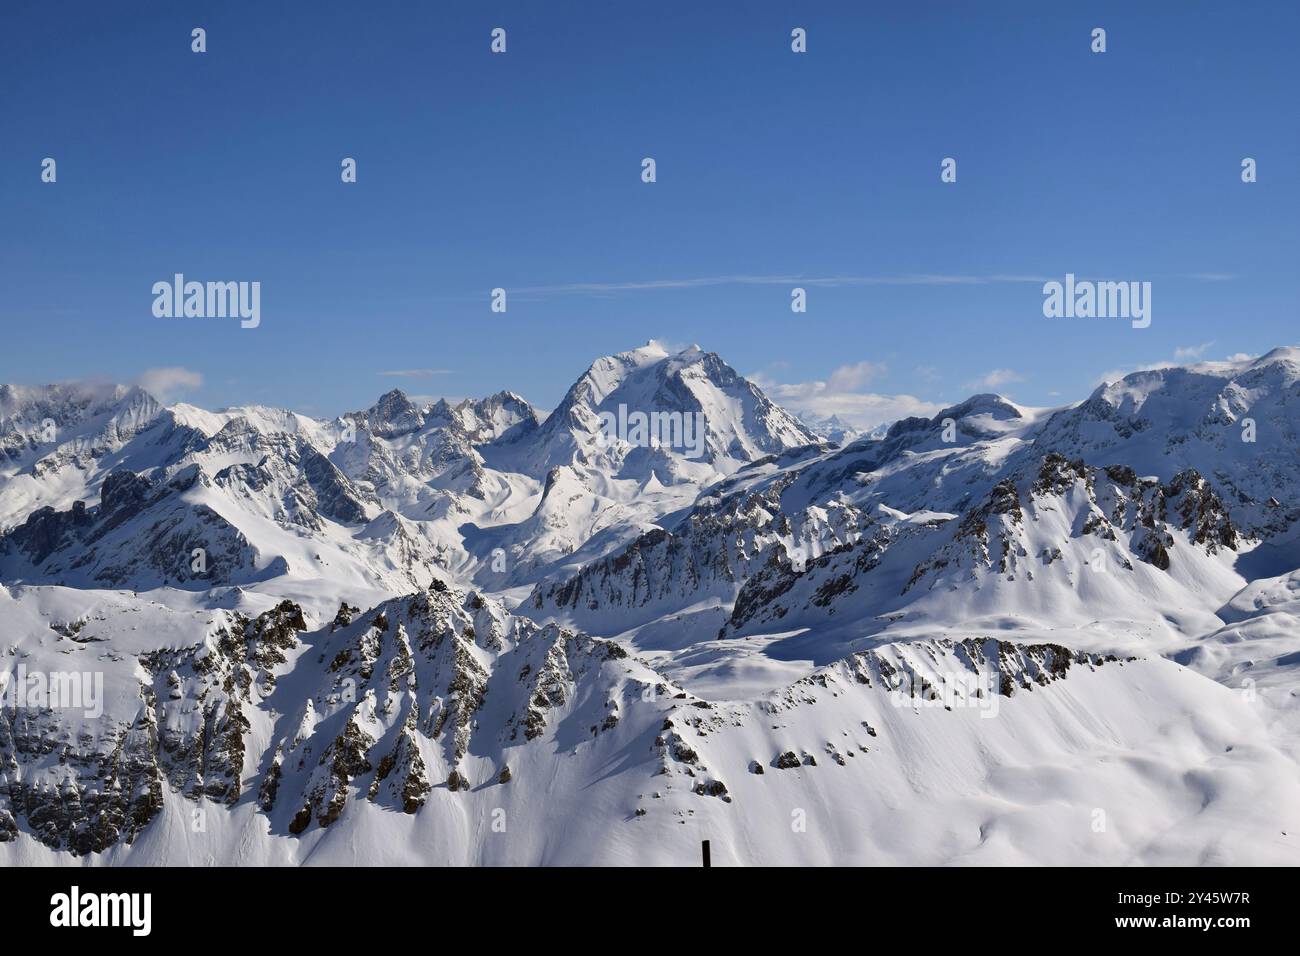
(1165, 421)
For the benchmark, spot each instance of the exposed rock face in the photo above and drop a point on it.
(79, 794)
(444, 689)
(1001, 666)
(54, 427)
(396, 439)
(289, 480)
(407, 683)
(1114, 503)
(742, 424)
(46, 531)
(142, 533)
(304, 484)
(200, 699)
(747, 549)
(86, 791)
(1234, 424)
(836, 571)
(392, 416)
(1212, 478)
(1055, 517)
(403, 771)
(715, 550)
(1201, 511)
(399, 707)
(344, 616)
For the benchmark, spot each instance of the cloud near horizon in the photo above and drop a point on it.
(166, 383)
(819, 282)
(995, 379)
(842, 395)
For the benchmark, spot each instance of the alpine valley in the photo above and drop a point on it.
(475, 633)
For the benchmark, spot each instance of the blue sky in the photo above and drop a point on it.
(522, 171)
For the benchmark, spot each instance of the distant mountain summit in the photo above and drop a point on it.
(832, 429)
(740, 423)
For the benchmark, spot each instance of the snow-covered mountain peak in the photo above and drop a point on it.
(652, 351)
(1287, 356)
(986, 403)
(15, 398)
(52, 437)
(392, 416)
(1232, 421)
(487, 419)
(80, 408)
(736, 421)
(832, 429)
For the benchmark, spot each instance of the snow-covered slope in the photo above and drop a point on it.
(1237, 423)
(426, 727)
(1055, 546)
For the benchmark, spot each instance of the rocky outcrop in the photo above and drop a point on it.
(719, 547)
(201, 696)
(82, 793)
(142, 533)
(86, 791)
(403, 703)
(1114, 504)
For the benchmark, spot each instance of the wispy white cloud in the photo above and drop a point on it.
(997, 378)
(1187, 353)
(841, 395)
(166, 383)
(851, 378)
(609, 289)
(806, 281)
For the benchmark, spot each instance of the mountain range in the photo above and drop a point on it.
(481, 633)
